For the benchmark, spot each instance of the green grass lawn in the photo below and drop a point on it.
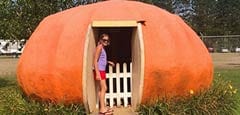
(12, 102)
(222, 98)
(227, 65)
(232, 75)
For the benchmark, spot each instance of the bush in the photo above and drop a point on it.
(12, 102)
(220, 98)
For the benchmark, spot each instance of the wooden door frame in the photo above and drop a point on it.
(89, 99)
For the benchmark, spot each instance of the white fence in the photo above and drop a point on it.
(119, 89)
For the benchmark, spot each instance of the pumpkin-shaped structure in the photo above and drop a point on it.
(168, 57)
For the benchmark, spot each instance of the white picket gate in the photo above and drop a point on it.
(122, 81)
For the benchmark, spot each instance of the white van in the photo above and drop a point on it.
(14, 47)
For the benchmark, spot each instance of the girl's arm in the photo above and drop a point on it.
(96, 57)
(111, 63)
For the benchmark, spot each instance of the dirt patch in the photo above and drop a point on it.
(226, 60)
(8, 65)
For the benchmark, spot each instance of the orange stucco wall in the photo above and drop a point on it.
(176, 60)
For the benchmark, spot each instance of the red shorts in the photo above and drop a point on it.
(102, 75)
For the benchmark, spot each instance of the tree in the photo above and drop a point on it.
(204, 16)
(227, 17)
(6, 19)
(164, 4)
(19, 18)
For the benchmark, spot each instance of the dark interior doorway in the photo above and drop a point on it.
(119, 50)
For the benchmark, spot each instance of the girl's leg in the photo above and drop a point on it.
(103, 89)
(98, 92)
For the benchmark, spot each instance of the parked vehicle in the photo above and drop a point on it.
(11, 47)
(237, 49)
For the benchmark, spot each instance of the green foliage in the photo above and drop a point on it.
(216, 17)
(19, 18)
(232, 75)
(204, 16)
(12, 102)
(165, 4)
(227, 16)
(221, 98)
(207, 17)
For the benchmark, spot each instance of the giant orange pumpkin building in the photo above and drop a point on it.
(168, 58)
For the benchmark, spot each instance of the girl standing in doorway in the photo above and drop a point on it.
(100, 63)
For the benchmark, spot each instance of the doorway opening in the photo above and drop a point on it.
(120, 52)
(125, 80)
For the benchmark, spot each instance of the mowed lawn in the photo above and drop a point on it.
(226, 65)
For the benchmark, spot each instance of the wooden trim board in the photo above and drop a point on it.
(128, 23)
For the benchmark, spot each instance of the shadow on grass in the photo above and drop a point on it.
(7, 82)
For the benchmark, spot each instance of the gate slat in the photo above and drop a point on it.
(119, 95)
(125, 84)
(118, 84)
(110, 77)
